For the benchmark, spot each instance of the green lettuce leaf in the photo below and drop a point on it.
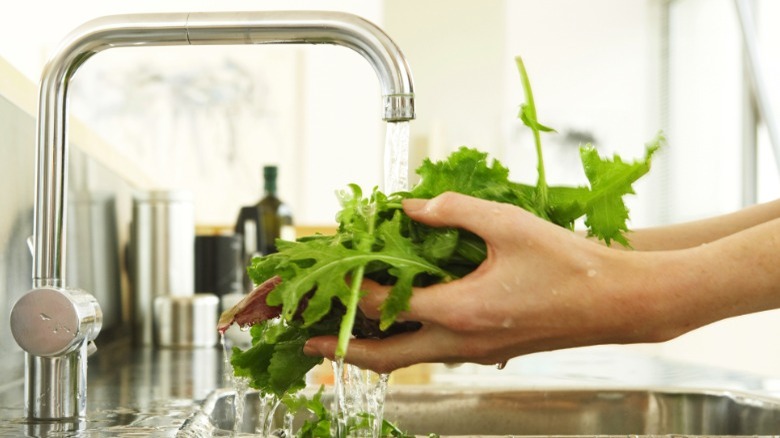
(611, 179)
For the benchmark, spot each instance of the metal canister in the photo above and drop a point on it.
(186, 322)
(161, 254)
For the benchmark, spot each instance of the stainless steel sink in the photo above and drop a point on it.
(654, 411)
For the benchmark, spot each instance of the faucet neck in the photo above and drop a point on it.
(207, 28)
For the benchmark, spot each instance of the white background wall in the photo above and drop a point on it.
(315, 110)
(595, 68)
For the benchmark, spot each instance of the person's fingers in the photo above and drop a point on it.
(383, 356)
(484, 218)
(375, 295)
(432, 304)
(502, 226)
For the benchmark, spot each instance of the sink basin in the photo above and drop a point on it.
(421, 411)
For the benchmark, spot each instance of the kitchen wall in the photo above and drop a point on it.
(209, 118)
(594, 68)
(17, 140)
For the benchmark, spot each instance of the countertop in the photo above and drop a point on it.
(151, 392)
(130, 392)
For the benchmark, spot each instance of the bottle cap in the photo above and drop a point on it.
(269, 176)
(270, 172)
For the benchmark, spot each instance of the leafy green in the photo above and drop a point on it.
(321, 275)
(388, 429)
(319, 268)
(317, 427)
(319, 422)
(275, 362)
(609, 181)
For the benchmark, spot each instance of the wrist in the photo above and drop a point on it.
(656, 294)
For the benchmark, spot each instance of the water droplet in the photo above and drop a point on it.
(501, 365)
(45, 317)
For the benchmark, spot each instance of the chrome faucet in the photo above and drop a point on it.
(56, 325)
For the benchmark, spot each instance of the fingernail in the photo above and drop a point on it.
(414, 205)
(309, 350)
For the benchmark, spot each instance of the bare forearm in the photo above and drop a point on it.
(732, 276)
(690, 234)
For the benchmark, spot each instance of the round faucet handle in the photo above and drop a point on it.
(51, 321)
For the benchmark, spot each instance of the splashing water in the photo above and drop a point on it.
(359, 400)
(265, 410)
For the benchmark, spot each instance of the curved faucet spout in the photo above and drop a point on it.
(167, 29)
(172, 29)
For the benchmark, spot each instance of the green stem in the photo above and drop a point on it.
(533, 123)
(541, 184)
(348, 322)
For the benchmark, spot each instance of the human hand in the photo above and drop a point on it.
(541, 287)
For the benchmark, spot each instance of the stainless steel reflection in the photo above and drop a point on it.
(542, 412)
(300, 27)
(162, 254)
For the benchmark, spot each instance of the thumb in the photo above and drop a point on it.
(488, 219)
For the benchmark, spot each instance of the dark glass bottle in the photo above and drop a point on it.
(275, 217)
(261, 224)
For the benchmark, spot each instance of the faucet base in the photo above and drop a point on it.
(55, 327)
(55, 387)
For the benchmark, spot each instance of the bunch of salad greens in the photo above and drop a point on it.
(321, 275)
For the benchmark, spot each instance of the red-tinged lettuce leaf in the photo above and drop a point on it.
(252, 309)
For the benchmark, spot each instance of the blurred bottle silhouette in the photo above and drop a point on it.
(261, 224)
